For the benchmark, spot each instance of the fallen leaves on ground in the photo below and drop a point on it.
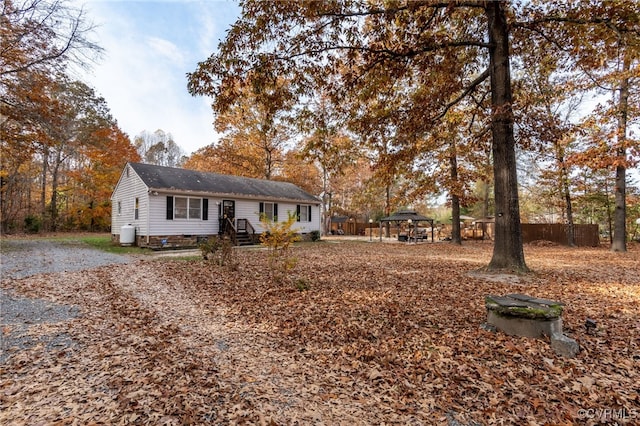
(386, 334)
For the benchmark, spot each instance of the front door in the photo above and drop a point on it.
(227, 211)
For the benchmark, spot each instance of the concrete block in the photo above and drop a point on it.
(525, 327)
(564, 346)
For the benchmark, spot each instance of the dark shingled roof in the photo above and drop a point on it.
(169, 178)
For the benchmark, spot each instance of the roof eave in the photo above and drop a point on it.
(229, 195)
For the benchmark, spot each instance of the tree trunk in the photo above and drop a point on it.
(54, 191)
(456, 238)
(607, 205)
(43, 186)
(619, 238)
(566, 194)
(387, 209)
(485, 199)
(571, 234)
(268, 162)
(508, 252)
(4, 224)
(326, 209)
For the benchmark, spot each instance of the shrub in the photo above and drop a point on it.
(32, 224)
(278, 238)
(218, 250)
(302, 284)
(315, 235)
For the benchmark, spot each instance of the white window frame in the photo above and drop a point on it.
(192, 208)
(186, 211)
(304, 213)
(269, 214)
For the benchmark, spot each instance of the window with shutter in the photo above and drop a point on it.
(187, 208)
(304, 212)
(169, 207)
(269, 211)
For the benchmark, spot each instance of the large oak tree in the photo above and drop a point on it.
(457, 49)
(306, 41)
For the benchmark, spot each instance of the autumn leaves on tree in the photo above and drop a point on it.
(61, 149)
(375, 103)
(401, 70)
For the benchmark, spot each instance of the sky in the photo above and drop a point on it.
(150, 46)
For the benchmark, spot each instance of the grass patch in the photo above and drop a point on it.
(104, 243)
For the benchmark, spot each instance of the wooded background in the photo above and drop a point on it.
(372, 106)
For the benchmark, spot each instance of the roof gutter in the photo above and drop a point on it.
(158, 191)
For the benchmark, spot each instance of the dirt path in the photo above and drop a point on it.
(92, 342)
(256, 375)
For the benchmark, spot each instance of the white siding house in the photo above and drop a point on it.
(171, 207)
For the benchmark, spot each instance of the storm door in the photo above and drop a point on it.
(229, 210)
(227, 216)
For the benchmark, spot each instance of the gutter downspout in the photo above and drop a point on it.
(148, 217)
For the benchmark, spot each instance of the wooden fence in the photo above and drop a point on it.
(584, 235)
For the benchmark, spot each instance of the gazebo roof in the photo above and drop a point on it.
(339, 219)
(488, 219)
(405, 215)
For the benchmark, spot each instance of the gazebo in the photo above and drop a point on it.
(412, 218)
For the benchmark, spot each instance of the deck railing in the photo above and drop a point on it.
(242, 226)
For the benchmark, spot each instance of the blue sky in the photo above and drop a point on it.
(150, 46)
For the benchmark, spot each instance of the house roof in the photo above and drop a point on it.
(161, 178)
(405, 215)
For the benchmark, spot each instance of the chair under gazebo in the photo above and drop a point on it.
(412, 219)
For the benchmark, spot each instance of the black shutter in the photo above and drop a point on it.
(261, 209)
(298, 212)
(275, 212)
(169, 207)
(309, 215)
(205, 209)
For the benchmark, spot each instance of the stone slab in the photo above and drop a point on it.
(522, 315)
(522, 306)
(537, 300)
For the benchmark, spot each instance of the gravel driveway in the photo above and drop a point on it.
(24, 258)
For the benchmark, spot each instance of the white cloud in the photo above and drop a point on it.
(165, 48)
(148, 52)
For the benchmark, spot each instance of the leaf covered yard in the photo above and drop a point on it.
(384, 334)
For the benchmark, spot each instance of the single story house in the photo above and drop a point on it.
(172, 207)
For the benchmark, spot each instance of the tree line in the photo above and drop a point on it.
(518, 111)
(440, 96)
(62, 150)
